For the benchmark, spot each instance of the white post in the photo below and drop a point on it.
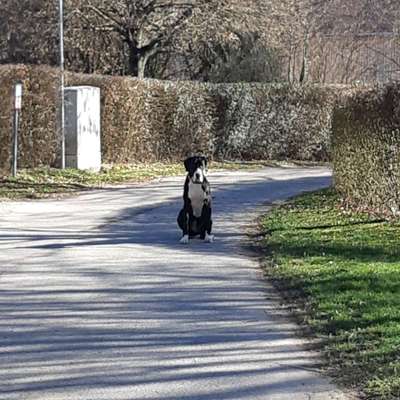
(62, 83)
(17, 109)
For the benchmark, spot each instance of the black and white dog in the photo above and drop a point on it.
(195, 217)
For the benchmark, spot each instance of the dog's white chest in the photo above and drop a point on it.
(197, 197)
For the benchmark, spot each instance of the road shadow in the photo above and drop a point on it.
(156, 226)
(146, 338)
(109, 327)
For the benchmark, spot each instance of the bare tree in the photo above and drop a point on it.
(27, 31)
(237, 42)
(209, 40)
(145, 27)
(177, 39)
(356, 40)
(309, 29)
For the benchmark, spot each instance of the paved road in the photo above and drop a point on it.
(99, 301)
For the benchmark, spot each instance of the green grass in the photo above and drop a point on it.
(50, 182)
(342, 269)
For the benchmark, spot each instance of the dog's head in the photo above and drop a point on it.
(197, 168)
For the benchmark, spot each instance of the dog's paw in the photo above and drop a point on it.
(184, 240)
(209, 238)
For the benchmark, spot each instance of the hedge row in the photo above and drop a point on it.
(149, 120)
(38, 138)
(366, 148)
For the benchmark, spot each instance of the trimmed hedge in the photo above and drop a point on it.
(150, 120)
(38, 142)
(275, 122)
(366, 148)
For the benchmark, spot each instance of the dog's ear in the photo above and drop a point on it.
(204, 161)
(187, 163)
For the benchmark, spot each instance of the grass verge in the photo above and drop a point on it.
(342, 270)
(50, 182)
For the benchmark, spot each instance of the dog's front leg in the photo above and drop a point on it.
(206, 223)
(185, 239)
(183, 222)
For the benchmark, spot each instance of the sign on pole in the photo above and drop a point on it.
(17, 108)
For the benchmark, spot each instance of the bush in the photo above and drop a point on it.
(150, 120)
(275, 122)
(366, 148)
(38, 143)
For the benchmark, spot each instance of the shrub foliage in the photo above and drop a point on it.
(151, 120)
(366, 148)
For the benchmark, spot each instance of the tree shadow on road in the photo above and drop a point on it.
(153, 330)
(234, 207)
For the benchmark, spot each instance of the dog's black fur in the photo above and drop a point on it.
(195, 217)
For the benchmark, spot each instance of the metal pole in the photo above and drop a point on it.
(62, 81)
(18, 89)
(15, 142)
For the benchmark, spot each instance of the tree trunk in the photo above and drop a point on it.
(133, 60)
(305, 61)
(142, 62)
(289, 68)
(143, 59)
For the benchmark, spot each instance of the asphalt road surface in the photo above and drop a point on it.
(98, 300)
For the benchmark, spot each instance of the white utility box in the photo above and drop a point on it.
(82, 128)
